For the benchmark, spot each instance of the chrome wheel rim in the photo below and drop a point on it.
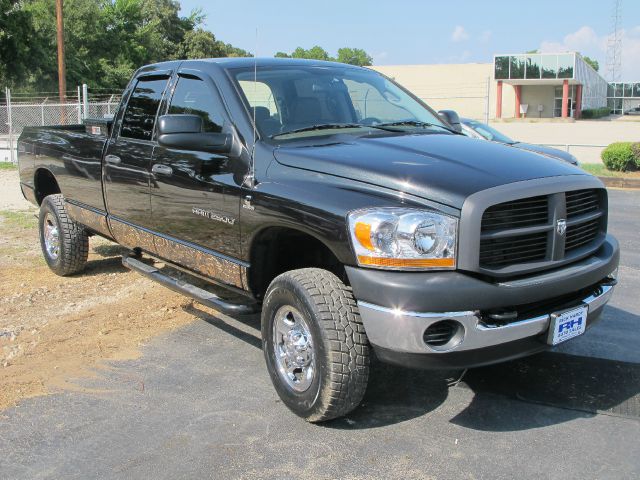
(51, 236)
(293, 349)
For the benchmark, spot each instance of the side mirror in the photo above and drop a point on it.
(184, 132)
(451, 118)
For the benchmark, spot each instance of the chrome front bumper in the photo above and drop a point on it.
(402, 331)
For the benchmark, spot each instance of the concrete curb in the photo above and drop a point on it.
(619, 182)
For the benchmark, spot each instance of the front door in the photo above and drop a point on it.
(128, 156)
(195, 196)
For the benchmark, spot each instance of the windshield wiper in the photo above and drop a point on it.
(321, 126)
(413, 123)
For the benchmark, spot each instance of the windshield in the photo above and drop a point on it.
(293, 101)
(488, 132)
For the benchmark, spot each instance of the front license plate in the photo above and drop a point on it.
(567, 325)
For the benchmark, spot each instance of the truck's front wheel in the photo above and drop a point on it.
(314, 343)
(65, 243)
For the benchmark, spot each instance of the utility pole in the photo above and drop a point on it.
(62, 79)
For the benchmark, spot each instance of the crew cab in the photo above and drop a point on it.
(337, 204)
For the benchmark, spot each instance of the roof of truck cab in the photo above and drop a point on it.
(239, 62)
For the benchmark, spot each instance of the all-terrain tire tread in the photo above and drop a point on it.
(349, 349)
(74, 248)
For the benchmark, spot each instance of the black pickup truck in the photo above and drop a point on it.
(340, 206)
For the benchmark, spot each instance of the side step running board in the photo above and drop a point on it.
(198, 294)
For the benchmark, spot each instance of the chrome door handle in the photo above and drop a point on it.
(162, 169)
(112, 159)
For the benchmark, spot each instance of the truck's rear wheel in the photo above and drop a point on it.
(65, 243)
(314, 343)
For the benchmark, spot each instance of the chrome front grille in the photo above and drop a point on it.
(530, 232)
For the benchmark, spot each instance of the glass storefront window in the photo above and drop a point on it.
(610, 90)
(628, 89)
(610, 104)
(533, 66)
(565, 66)
(618, 90)
(549, 64)
(636, 89)
(502, 68)
(517, 66)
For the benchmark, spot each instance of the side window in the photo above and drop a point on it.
(140, 116)
(193, 96)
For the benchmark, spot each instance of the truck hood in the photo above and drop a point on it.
(550, 151)
(440, 167)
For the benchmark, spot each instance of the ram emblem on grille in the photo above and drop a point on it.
(561, 227)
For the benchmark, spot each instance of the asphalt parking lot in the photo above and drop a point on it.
(199, 404)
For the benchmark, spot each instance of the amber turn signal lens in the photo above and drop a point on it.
(363, 234)
(407, 262)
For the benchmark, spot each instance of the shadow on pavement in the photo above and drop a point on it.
(581, 386)
(396, 395)
(252, 321)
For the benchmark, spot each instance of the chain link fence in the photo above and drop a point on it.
(20, 110)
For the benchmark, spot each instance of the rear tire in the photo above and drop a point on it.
(65, 243)
(314, 343)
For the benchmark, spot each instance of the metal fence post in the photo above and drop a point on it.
(79, 106)
(85, 100)
(10, 124)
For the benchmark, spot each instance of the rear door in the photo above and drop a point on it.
(195, 196)
(128, 156)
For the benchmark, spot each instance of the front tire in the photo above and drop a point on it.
(314, 343)
(65, 243)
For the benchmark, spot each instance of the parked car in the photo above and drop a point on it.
(633, 111)
(348, 214)
(476, 129)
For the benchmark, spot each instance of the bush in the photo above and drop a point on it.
(596, 112)
(619, 156)
(635, 148)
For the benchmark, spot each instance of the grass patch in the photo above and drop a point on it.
(600, 170)
(22, 220)
(8, 166)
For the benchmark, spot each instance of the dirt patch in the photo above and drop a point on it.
(53, 329)
(10, 194)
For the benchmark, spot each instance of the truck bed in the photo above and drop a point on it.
(71, 154)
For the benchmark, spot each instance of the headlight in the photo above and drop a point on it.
(403, 238)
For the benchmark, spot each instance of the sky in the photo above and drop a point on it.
(423, 32)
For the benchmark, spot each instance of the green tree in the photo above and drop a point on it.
(15, 26)
(105, 40)
(594, 63)
(231, 51)
(200, 43)
(314, 53)
(354, 56)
